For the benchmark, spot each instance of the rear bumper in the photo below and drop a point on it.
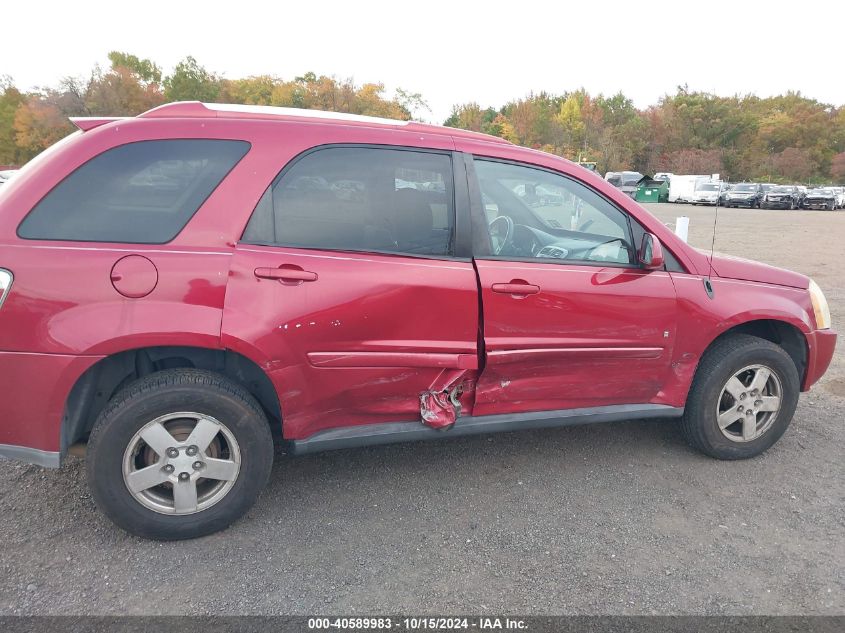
(34, 392)
(820, 346)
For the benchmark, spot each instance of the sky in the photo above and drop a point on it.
(453, 52)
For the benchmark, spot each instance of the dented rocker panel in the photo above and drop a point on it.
(395, 432)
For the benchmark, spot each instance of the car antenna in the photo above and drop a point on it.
(708, 285)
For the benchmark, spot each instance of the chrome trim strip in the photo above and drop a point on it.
(47, 459)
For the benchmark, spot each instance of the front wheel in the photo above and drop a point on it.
(742, 399)
(179, 454)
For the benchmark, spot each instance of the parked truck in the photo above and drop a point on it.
(682, 187)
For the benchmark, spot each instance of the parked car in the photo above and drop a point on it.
(840, 197)
(782, 197)
(179, 287)
(821, 198)
(625, 181)
(706, 193)
(744, 194)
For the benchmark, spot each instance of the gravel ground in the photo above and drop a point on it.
(606, 519)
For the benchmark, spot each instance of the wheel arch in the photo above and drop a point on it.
(782, 333)
(97, 384)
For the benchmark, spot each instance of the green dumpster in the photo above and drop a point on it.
(650, 190)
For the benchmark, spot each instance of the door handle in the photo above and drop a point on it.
(518, 287)
(287, 273)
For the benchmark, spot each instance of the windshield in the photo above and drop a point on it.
(708, 186)
(782, 190)
(745, 188)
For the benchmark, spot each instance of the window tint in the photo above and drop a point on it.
(533, 213)
(141, 193)
(360, 198)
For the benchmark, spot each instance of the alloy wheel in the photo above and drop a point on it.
(749, 403)
(181, 463)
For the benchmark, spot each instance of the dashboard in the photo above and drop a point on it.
(530, 242)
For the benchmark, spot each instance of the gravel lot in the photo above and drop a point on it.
(605, 519)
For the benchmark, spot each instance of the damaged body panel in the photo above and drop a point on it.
(363, 345)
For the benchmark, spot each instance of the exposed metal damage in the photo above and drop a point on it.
(440, 405)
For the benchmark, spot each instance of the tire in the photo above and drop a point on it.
(727, 356)
(178, 397)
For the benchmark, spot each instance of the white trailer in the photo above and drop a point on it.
(682, 187)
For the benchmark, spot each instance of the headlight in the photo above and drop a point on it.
(820, 307)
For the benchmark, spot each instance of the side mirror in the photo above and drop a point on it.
(651, 252)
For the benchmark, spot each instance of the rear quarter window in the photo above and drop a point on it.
(140, 193)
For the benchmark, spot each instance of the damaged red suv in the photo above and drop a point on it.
(180, 287)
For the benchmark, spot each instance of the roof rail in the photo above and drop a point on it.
(197, 109)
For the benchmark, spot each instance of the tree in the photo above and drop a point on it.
(695, 161)
(143, 69)
(793, 164)
(10, 99)
(191, 82)
(38, 124)
(837, 167)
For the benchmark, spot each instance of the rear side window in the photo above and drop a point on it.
(360, 198)
(140, 193)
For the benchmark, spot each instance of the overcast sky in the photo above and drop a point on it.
(453, 52)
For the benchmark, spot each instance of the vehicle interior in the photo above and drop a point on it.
(360, 199)
(536, 214)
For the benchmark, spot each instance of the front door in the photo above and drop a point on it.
(570, 319)
(347, 286)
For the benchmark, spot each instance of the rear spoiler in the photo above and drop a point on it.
(86, 123)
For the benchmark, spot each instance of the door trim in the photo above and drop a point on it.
(393, 359)
(503, 357)
(395, 432)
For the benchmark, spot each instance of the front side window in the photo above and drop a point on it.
(140, 193)
(536, 214)
(360, 198)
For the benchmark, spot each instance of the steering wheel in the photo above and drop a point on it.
(501, 233)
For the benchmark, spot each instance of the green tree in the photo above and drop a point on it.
(191, 82)
(143, 69)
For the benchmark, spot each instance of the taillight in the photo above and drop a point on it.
(6, 278)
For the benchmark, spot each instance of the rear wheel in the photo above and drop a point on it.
(179, 454)
(742, 399)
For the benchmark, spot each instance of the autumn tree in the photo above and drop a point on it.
(10, 100)
(837, 167)
(793, 164)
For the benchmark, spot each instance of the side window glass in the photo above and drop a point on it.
(535, 214)
(139, 193)
(360, 198)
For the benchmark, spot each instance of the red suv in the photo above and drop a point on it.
(180, 287)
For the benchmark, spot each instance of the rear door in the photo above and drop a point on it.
(350, 284)
(570, 320)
